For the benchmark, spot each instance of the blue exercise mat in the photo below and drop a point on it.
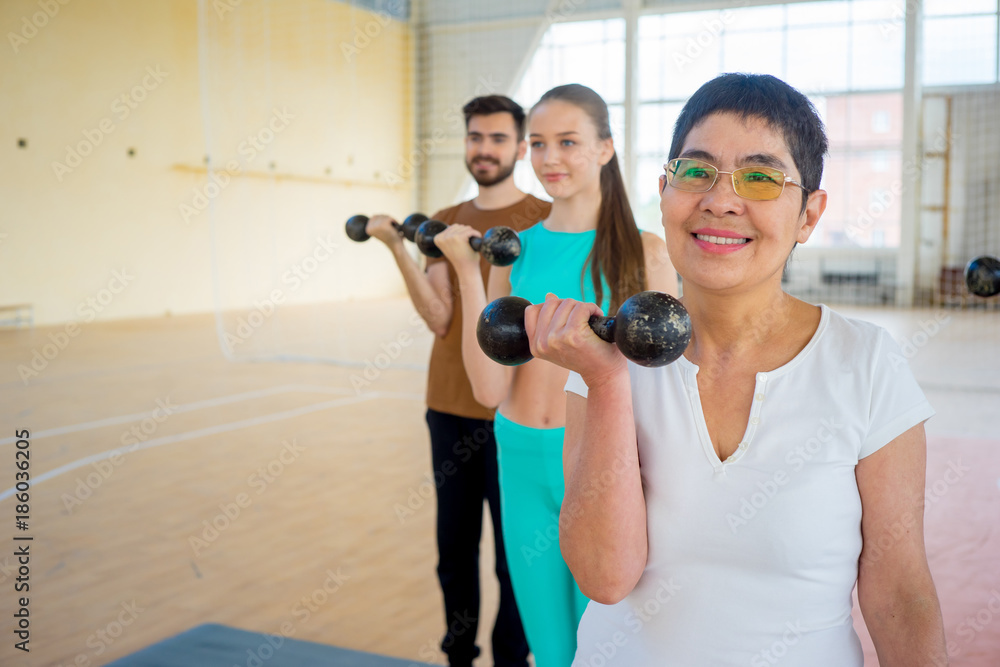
(214, 645)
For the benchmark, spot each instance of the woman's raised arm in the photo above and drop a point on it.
(602, 526)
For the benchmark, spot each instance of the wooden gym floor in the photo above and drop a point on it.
(294, 497)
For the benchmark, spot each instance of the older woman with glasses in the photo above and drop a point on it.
(720, 510)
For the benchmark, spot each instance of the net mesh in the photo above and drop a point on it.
(314, 111)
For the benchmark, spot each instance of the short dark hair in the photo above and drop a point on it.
(776, 103)
(491, 104)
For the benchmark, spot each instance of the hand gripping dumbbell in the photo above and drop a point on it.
(982, 276)
(356, 227)
(499, 246)
(650, 328)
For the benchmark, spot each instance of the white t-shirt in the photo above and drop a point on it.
(752, 561)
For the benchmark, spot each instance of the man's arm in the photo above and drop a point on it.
(490, 381)
(895, 590)
(430, 292)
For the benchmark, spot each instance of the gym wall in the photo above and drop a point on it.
(468, 49)
(165, 230)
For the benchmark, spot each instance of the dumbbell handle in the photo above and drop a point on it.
(500, 246)
(603, 326)
(357, 227)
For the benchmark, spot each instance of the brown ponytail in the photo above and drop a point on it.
(617, 253)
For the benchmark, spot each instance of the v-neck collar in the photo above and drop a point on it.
(689, 375)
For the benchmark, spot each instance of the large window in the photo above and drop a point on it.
(960, 42)
(846, 55)
(587, 52)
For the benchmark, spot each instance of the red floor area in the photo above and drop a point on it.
(962, 524)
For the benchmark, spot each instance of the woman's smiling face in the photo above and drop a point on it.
(719, 240)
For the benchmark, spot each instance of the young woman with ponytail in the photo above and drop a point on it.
(588, 249)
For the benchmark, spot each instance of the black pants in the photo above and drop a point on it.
(464, 456)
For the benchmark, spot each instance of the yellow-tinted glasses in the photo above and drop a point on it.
(760, 183)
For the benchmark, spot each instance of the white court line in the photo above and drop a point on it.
(199, 433)
(188, 407)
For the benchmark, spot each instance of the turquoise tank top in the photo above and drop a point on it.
(553, 262)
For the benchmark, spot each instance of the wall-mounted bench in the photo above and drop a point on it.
(17, 314)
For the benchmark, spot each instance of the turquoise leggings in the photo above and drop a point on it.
(531, 492)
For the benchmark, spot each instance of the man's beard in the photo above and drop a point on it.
(486, 181)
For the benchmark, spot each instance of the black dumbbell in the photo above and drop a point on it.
(408, 230)
(651, 328)
(499, 246)
(982, 276)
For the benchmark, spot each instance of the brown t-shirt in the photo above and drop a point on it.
(448, 387)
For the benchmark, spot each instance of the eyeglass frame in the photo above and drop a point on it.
(732, 177)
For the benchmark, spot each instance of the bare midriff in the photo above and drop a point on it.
(536, 397)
